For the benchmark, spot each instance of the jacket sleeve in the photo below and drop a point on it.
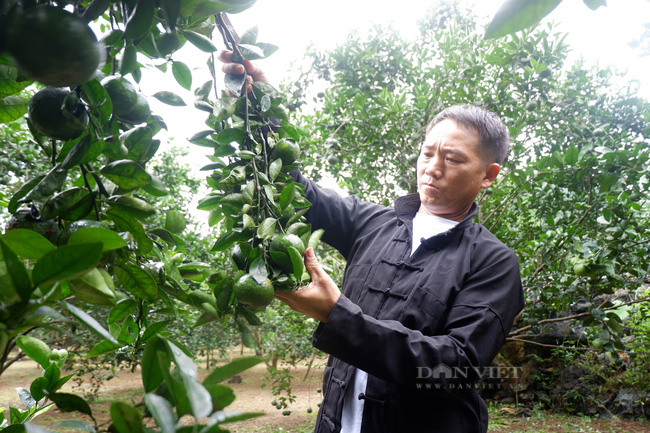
(476, 324)
(339, 216)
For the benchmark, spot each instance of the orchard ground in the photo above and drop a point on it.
(251, 397)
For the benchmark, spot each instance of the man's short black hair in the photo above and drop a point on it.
(494, 141)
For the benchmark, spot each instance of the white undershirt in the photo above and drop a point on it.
(424, 227)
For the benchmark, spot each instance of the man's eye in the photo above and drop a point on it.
(455, 161)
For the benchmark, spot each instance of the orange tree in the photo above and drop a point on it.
(572, 199)
(84, 229)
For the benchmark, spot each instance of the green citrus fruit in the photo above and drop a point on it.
(54, 47)
(128, 104)
(531, 106)
(281, 243)
(50, 113)
(252, 294)
(287, 151)
(23, 219)
(412, 158)
(333, 160)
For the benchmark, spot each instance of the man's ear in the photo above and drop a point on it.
(491, 172)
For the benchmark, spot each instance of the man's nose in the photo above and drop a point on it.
(434, 168)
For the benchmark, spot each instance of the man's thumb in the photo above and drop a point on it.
(311, 263)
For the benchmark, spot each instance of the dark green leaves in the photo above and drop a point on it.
(70, 403)
(17, 272)
(514, 15)
(126, 174)
(137, 281)
(66, 262)
(200, 41)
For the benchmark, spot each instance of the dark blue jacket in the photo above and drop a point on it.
(423, 327)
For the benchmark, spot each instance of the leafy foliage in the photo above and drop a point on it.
(94, 239)
(572, 198)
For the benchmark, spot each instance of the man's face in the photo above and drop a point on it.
(451, 172)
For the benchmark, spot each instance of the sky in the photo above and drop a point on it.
(600, 37)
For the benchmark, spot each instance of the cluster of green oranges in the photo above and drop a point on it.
(58, 49)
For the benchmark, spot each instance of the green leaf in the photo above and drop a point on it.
(595, 4)
(26, 398)
(182, 74)
(234, 83)
(65, 202)
(140, 20)
(74, 424)
(38, 387)
(275, 168)
(90, 323)
(571, 155)
(227, 239)
(126, 174)
(137, 281)
(155, 362)
(297, 262)
(231, 369)
(515, 15)
(129, 60)
(258, 270)
(109, 239)
(102, 348)
(122, 309)
(126, 419)
(199, 41)
(169, 98)
(66, 262)
(70, 403)
(85, 150)
(172, 9)
(133, 206)
(249, 36)
(9, 84)
(139, 143)
(52, 182)
(267, 228)
(224, 417)
(199, 398)
(231, 135)
(156, 187)
(12, 108)
(162, 412)
(35, 349)
(127, 223)
(100, 104)
(287, 195)
(153, 329)
(17, 273)
(14, 203)
(251, 52)
(175, 222)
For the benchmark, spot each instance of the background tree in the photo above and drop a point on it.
(572, 198)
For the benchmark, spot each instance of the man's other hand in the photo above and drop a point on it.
(230, 67)
(317, 299)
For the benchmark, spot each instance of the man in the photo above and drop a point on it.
(428, 296)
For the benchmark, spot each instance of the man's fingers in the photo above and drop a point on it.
(312, 265)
